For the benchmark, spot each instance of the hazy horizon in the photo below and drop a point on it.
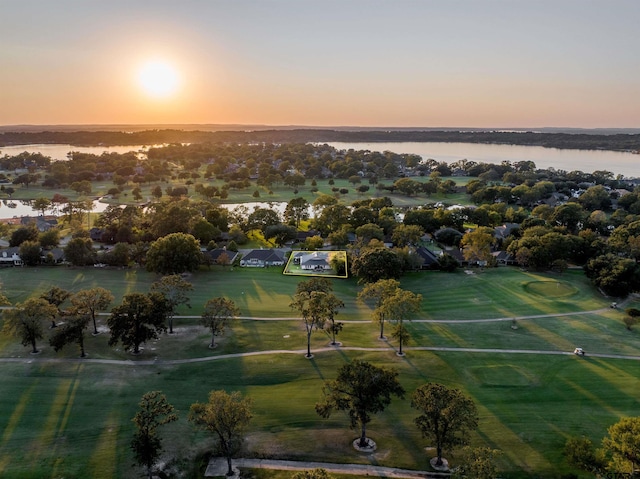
(467, 64)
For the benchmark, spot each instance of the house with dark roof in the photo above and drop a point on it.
(42, 223)
(10, 257)
(302, 236)
(504, 258)
(501, 232)
(214, 256)
(261, 258)
(428, 257)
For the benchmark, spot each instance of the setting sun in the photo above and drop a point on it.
(158, 78)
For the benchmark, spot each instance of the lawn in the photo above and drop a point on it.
(72, 419)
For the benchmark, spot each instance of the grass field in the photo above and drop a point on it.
(245, 195)
(73, 419)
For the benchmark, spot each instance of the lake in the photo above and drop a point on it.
(588, 161)
(59, 152)
(17, 208)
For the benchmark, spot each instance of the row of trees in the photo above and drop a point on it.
(318, 306)
(447, 416)
(139, 318)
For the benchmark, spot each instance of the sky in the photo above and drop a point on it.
(395, 63)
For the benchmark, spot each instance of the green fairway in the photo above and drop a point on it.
(73, 419)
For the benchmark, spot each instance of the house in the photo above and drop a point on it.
(42, 223)
(428, 257)
(501, 232)
(303, 235)
(215, 254)
(53, 256)
(260, 258)
(318, 260)
(96, 234)
(10, 257)
(504, 258)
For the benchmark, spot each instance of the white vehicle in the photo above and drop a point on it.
(578, 352)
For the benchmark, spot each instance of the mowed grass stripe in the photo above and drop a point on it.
(103, 461)
(23, 402)
(44, 442)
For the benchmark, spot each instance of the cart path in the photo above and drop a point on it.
(302, 352)
(388, 347)
(436, 321)
(218, 467)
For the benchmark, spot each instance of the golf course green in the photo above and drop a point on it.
(61, 416)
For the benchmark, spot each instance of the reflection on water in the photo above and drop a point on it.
(588, 161)
(17, 208)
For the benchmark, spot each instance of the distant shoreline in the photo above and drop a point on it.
(212, 127)
(578, 140)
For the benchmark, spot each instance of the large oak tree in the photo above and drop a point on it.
(227, 416)
(138, 319)
(361, 389)
(447, 416)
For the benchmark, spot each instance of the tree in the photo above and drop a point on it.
(217, 314)
(404, 235)
(154, 412)
(477, 244)
(477, 463)
(377, 263)
(616, 276)
(368, 232)
(261, 218)
(227, 416)
(361, 389)
(447, 416)
(317, 304)
(204, 231)
(41, 204)
(297, 209)
(174, 254)
(49, 239)
(139, 318)
(25, 320)
(581, 454)
(174, 288)
(378, 292)
(72, 331)
(398, 306)
(30, 252)
(90, 301)
(55, 296)
(623, 443)
(80, 252)
(280, 233)
(22, 234)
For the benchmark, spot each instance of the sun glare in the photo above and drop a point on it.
(158, 79)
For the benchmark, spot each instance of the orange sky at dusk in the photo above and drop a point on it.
(466, 63)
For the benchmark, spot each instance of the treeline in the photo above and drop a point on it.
(616, 142)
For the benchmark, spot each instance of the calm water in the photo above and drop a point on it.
(17, 208)
(627, 164)
(59, 152)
